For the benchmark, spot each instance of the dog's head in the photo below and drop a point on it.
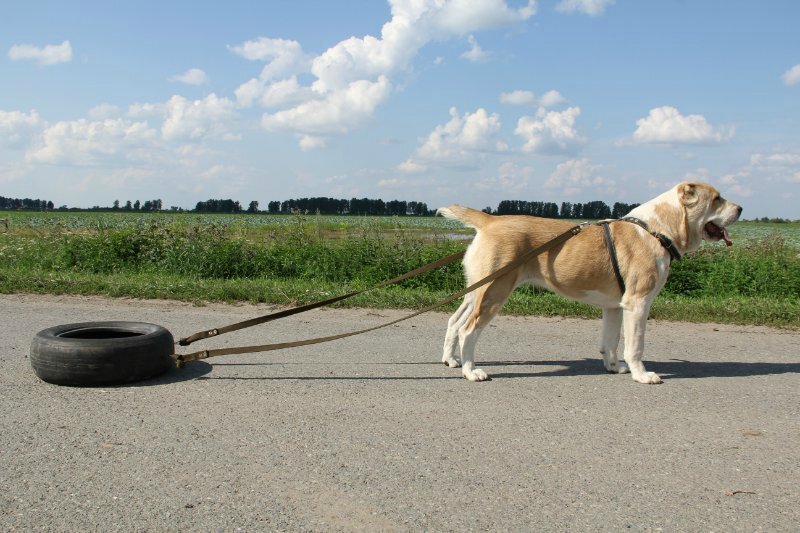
(707, 213)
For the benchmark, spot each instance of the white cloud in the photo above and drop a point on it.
(527, 98)
(84, 142)
(518, 98)
(587, 7)
(272, 94)
(311, 142)
(550, 132)
(575, 176)
(476, 54)
(104, 111)
(552, 99)
(17, 128)
(338, 112)
(284, 58)
(193, 76)
(354, 76)
(412, 167)
(50, 54)
(461, 138)
(666, 125)
(791, 76)
(191, 120)
(781, 165)
(509, 178)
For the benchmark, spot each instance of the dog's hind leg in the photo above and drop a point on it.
(458, 319)
(487, 303)
(609, 342)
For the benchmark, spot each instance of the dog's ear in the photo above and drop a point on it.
(688, 194)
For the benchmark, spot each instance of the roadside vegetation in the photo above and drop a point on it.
(293, 259)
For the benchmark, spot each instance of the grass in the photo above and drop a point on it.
(305, 259)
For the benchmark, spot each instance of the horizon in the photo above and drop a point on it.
(468, 101)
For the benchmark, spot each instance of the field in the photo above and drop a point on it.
(289, 259)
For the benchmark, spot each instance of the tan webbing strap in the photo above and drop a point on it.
(200, 335)
(180, 359)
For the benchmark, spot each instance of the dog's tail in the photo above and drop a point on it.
(470, 217)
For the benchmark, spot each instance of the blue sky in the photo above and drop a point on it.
(468, 101)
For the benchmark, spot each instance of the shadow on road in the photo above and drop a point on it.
(673, 369)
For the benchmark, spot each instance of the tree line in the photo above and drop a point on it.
(590, 210)
(354, 206)
(26, 204)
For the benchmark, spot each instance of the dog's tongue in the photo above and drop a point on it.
(726, 237)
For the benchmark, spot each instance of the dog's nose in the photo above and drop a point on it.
(739, 210)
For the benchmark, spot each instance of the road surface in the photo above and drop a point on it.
(373, 433)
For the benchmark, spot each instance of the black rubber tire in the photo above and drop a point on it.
(101, 353)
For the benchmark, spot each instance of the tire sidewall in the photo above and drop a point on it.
(77, 361)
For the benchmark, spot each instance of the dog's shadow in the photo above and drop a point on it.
(673, 368)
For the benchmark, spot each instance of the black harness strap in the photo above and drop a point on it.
(665, 241)
(612, 251)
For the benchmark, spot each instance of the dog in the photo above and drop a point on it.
(582, 268)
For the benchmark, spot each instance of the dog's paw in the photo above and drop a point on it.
(618, 368)
(452, 362)
(475, 374)
(648, 378)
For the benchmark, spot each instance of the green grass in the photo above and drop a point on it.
(305, 259)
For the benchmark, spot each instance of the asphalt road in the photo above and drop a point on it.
(373, 433)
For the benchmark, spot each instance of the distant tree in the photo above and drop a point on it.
(116, 205)
(253, 207)
(128, 206)
(136, 205)
(274, 207)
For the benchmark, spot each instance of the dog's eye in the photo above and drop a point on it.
(718, 198)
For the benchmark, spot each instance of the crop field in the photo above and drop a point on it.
(327, 225)
(290, 259)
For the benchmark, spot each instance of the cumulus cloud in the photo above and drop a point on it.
(552, 99)
(191, 120)
(666, 125)
(337, 112)
(193, 76)
(575, 176)
(283, 57)
(791, 76)
(412, 167)
(353, 77)
(476, 54)
(50, 54)
(518, 98)
(527, 98)
(587, 7)
(509, 178)
(17, 128)
(783, 165)
(85, 142)
(550, 132)
(462, 138)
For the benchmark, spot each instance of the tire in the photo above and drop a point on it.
(101, 353)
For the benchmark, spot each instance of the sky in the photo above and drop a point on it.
(437, 101)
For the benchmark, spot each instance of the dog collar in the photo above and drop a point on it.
(665, 241)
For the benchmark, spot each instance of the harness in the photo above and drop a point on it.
(665, 241)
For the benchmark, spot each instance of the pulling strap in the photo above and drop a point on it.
(180, 359)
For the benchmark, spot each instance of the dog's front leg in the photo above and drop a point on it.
(609, 342)
(635, 321)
